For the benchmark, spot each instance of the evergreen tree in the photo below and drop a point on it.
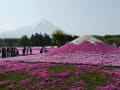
(24, 41)
(47, 40)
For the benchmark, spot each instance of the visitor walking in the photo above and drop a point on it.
(12, 52)
(27, 51)
(3, 53)
(30, 51)
(16, 52)
(24, 49)
(8, 52)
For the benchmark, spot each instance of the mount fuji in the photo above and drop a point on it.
(36, 26)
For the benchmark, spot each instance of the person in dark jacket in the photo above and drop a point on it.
(27, 51)
(30, 51)
(41, 50)
(3, 53)
(8, 52)
(24, 49)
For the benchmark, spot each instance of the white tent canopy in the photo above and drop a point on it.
(85, 38)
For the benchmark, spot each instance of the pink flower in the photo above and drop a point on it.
(78, 73)
(23, 81)
(80, 88)
(10, 86)
(64, 74)
(94, 79)
(108, 87)
(6, 82)
(81, 83)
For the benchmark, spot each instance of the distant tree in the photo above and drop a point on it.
(47, 40)
(59, 37)
(1, 42)
(9, 42)
(69, 38)
(108, 36)
(74, 37)
(38, 38)
(24, 41)
(32, 40)
(41, 40)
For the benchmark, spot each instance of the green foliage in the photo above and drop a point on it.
(59, 37)
(47, 40)
(9, 42)
(24, 41)
(13, 76)
(100, 81)
(69, 81)
(39, 39)
(60, 68)
(110, 39)
(87, 77)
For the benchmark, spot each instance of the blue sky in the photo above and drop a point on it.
(74, 16)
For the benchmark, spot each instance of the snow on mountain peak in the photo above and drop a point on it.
(37, 22)
(36, 26)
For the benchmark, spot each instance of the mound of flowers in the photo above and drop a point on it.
(84, 53)
(29, 76)
(85, 46)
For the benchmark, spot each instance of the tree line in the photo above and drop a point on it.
(58, 38)
(109, 39)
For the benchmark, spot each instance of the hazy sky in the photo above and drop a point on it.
(75, 16)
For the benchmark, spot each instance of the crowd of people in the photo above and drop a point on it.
(12, 51)
(9, 52)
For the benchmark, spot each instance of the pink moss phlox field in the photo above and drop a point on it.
(79, 88)
(89, 68)
(81, 83)
(64, 74)
(85, 46)
(20, 67)
(10, 87)
(115, 74)
(37, 85)
(78, 73)
(108, 87)
(40, 72)
(83, 53)
(108, 59)
(94, 78)
(6, 82)
(23, 81)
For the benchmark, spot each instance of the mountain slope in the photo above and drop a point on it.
(36, 26)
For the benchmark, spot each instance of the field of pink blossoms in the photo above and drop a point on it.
(46, 76)
(58, 69)
(84, 53)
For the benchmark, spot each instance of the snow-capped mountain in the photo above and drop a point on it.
(36, 26)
